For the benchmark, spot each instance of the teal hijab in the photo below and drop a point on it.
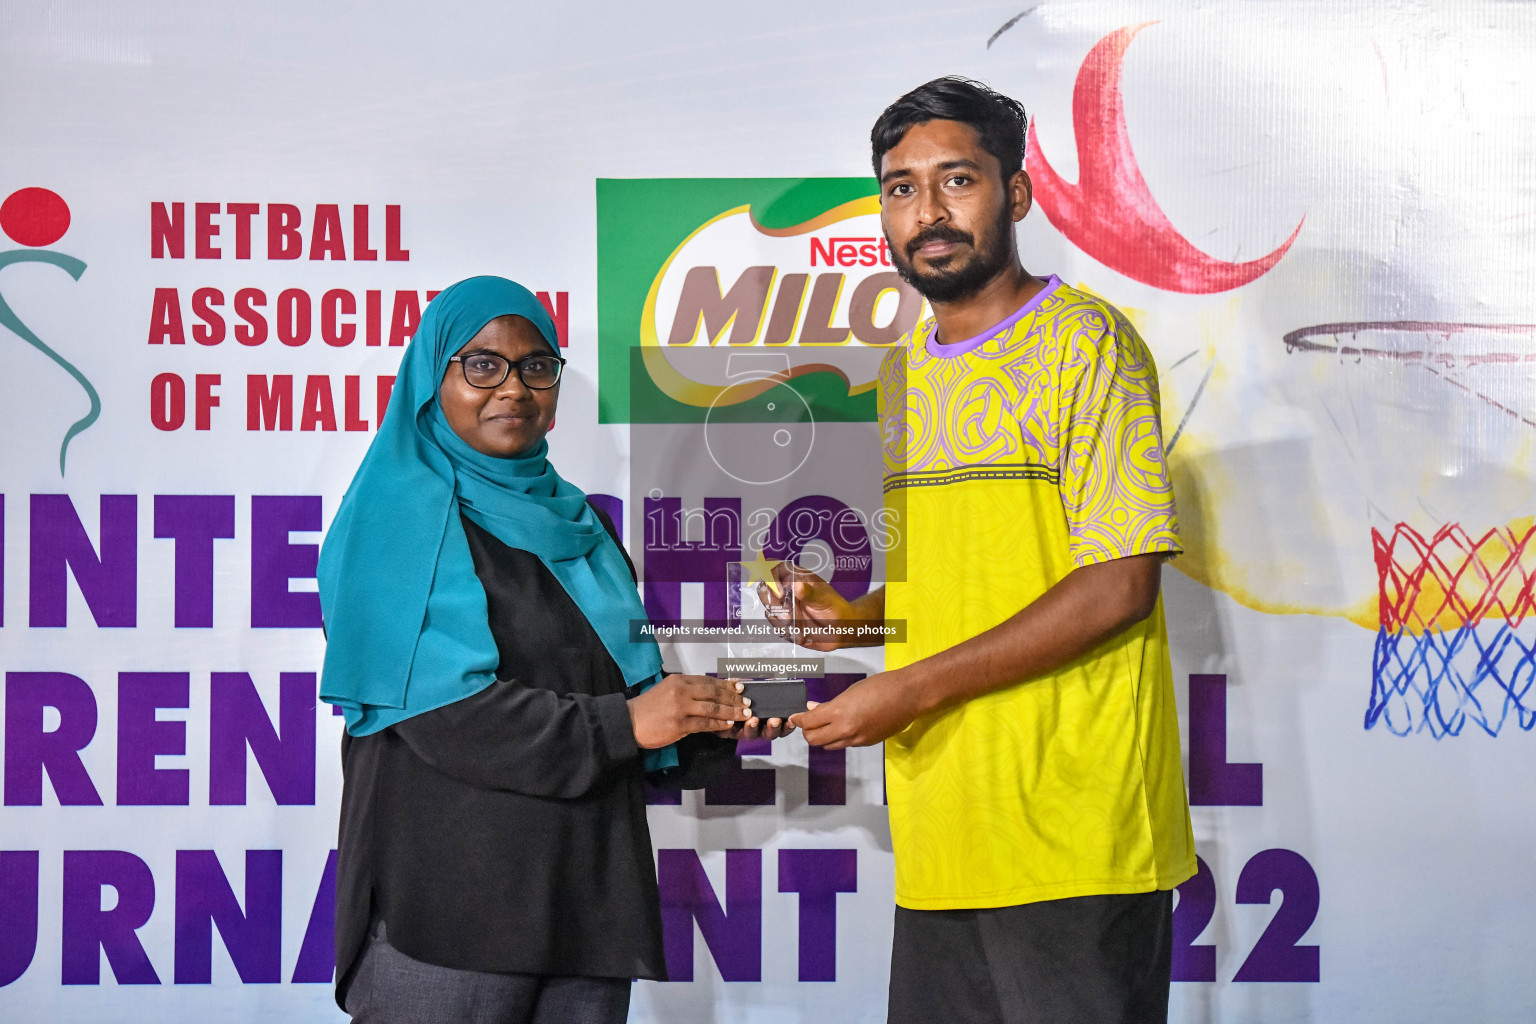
(405, 615)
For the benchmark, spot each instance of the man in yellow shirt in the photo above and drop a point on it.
(1036, 797)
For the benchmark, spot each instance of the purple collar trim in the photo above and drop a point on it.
(960, 348)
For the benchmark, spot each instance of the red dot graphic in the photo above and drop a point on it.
(34, 216)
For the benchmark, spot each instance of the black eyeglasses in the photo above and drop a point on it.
(489, 370)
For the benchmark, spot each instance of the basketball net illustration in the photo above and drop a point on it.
(1457, 637)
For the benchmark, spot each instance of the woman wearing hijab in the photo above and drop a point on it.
(494, 863)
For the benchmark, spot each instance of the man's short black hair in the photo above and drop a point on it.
(999, 120)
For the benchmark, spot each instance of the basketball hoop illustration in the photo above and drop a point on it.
(1457, 637)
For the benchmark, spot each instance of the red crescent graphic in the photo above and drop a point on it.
(1110, 213)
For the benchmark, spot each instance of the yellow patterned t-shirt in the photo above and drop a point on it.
(1011, 459)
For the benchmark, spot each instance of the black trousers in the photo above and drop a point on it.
(1083, 960)
(389, 987)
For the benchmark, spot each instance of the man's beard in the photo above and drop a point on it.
(953, 283)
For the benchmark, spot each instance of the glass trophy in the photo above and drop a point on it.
(760, 608)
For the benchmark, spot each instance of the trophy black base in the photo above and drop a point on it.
(775, 698)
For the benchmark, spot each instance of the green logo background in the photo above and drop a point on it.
(640, 221)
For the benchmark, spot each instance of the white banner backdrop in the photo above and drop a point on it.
(219, 223)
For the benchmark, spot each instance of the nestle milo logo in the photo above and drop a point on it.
(798, 267)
